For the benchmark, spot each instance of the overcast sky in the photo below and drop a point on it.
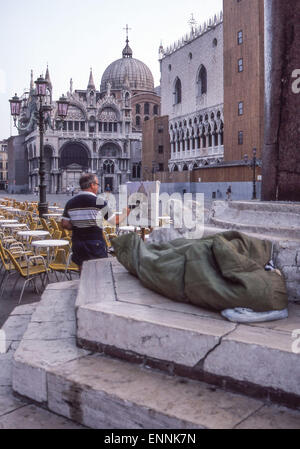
(74, 35)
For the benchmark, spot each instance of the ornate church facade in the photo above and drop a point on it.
(192, 90)
(102, 133)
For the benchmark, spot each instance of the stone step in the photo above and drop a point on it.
(117, 316)
(101, 392)
(279, 219)
(11, 335)
(48, 341)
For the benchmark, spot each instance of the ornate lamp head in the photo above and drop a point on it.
(15, 106)
(41, 86)
(62, 106)
(246, 158)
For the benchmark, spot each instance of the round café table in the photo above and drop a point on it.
(13, 226)
(49, 245)
(127, 229)
(52, 215)
(33, 233)
(26, 235)
(7, 221)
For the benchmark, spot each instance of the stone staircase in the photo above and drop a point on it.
(267, 218)
(277, 222)
(108, 353)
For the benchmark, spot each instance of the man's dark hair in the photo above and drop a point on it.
(87, 180)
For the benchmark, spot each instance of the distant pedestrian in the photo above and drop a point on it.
(107, 188)
(73, 190)
(229, 193)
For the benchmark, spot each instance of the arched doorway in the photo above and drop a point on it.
(110, 163)
(74, 160)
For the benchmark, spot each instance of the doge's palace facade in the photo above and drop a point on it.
(192, 95)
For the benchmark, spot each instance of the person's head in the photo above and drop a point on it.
(89, 182)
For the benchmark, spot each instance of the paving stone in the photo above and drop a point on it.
(5, 390)
(50, 330)
(67, 285)
(105, 393)
(15, 326)
(24, 309)
(33, 417)
(8, 403)
(272, 417)
(6, 368)
(94, 288)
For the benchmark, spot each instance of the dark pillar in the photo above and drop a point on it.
(281, 154)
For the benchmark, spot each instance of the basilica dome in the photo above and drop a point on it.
(128, 71)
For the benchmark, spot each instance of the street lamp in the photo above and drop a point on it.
(15, 107)
(253, 163)
(41, 90)
(62, 105)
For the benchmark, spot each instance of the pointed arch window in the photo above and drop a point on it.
(109, 167)
(177, 92)
(202, 81)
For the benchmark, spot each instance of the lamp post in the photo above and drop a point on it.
(253, 163)
(41, 89)
(62, 107)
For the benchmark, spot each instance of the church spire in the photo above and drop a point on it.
(91, 84)
(31, 81)
(47, 77)
(127, 52)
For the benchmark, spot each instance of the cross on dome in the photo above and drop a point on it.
(127, 52)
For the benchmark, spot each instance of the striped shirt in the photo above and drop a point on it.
(85, 216)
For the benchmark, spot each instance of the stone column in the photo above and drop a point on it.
(281, 155)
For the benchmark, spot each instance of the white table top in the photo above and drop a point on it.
(13, 225)
(52, 215)
(49, 243)
(128, 228)
(33, 233)
(8, 221)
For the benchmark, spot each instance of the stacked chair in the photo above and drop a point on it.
(17, 257)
